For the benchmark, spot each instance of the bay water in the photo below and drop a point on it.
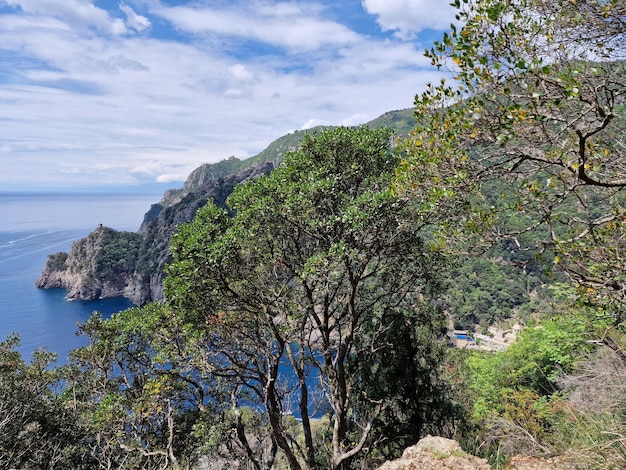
(35, 225)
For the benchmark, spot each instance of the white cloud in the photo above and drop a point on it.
(409, 17)
(15, 22)
(81, 14)
(237, 93)
(355, 120)
(283, 25)
(314, 122)
(133, 20)
(170, 178)
(240, 72)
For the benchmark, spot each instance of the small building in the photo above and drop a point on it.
(461, 339)
(497, 339)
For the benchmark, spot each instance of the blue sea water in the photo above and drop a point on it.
(34, 225)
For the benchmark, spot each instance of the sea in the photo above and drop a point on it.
(35, 225)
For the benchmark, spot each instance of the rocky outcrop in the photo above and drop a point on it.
(98, 266)
(436, 453)
(108, 263)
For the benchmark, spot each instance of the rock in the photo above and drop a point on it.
(98, 266)
(108, 263)
(436, 453)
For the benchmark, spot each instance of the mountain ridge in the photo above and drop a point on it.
(108, 263)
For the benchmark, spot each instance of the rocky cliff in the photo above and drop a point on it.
(98, 266)
(108, 263)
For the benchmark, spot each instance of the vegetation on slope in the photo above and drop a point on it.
(303, 330)
(535, 109)
(400, 121)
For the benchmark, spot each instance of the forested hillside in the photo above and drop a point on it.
(304, 314)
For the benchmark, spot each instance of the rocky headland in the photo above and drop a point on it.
(110, 263)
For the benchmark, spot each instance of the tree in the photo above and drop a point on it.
(138, 399)
(407, 377)
(293, 296)
(36, 429)
(538, 103)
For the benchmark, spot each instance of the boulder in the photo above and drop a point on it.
(436, 453)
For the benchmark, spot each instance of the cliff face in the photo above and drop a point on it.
(98, 266)
(108, 263)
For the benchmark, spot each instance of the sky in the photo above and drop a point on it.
(107, 92)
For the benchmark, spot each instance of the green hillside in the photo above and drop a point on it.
(401, 122)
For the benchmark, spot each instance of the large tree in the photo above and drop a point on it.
(537, 104)
(293, 298)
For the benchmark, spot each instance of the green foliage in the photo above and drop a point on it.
(534, 362)
(137, 400)
(407, 377)
(316, 254)
(518, 401)
(534, 104)
(322, 250)
(37, 430)
(118, 254)
(325, 272)
(402, 122)
(484, 291)
(528, 139)
(57, 261)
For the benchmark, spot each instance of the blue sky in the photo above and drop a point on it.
(107, 92)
